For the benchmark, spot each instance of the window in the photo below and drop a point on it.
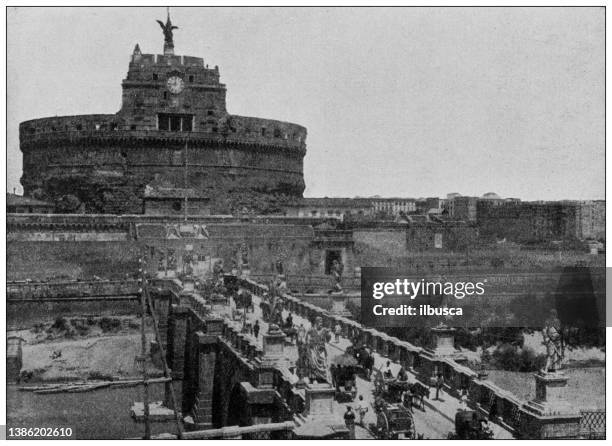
(176, 206)
(263, 131)
(210, 113)
(154, 76)
(174, 122)
(191, 78)
(165, 95)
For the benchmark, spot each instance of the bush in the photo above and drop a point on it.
(469, 339)
(60, 324)
(511, 358)
(109, 324)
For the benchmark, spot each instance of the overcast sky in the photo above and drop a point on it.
(407, 102)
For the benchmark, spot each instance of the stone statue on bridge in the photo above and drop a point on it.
(316, 359)
(217, 271)
(553, 342)
(336, 270)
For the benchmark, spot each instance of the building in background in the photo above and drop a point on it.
(426, 234)
(337, 208)
(393, 206)
(591, 220)
(541, 221)
(462, 208)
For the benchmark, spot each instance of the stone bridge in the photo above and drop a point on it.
(231, 378)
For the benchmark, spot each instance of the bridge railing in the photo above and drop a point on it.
(593, 423)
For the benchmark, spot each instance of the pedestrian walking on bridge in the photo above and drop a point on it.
(362, 409)
(439, 385)
(349, 420)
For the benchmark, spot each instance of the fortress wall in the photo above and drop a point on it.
(389, 241)
(38, 260)
(107, 168)
(71, 257)
(112, 179)
(239, 129)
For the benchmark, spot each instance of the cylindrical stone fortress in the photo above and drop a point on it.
(173, 133)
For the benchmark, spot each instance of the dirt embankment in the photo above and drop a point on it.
(85, 348)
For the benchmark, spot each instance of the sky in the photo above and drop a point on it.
(398, 102)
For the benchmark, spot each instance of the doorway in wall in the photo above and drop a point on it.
(330, 256)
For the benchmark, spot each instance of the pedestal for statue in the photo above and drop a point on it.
(339, 300)
(188, 284)
(274, 343)
(444, 341)
(550, 394)
(319, 419)
(245, 271)
(319, 400)
(443, 348)
(168, 49)
(553, 415)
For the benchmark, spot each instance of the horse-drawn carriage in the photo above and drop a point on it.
(391, 390)
(470, 425)
(244, 300)
(272, 310)
(393, 422)
(230, 282)
(344, 370)
(364, 358)
(290, 331)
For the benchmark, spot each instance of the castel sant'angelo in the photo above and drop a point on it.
(172, 138)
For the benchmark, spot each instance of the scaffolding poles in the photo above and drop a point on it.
(167, 373)
(146, 300)
(143, 353)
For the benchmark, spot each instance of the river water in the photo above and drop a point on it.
(99, 414)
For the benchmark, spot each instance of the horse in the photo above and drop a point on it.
(364, 358)
(244, 299)
(419, 393)
(367, 362)
(291, 332)
(265, 310)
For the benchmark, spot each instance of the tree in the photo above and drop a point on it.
(68, 204)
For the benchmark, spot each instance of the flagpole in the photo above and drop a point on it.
(185, 178)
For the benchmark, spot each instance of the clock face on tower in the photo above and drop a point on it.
(175, 84)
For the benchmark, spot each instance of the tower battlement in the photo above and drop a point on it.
(157, 68)
(162, 59)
